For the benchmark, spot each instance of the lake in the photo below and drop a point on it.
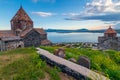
(74, 37)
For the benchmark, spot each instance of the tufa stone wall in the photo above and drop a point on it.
(64, 68)
(109, 43)
(43, 36)
(32, 39)
(10, 45)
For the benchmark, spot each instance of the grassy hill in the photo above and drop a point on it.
(25, 64)
(104, 62)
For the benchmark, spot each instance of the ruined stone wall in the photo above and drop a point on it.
(10, 45)
(64, 68)
(32, 39)
(14, 45)
(0, 45)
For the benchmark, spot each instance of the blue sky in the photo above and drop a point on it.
(64, 14)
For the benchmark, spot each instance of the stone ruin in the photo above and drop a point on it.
(60, 52)
(84, 61)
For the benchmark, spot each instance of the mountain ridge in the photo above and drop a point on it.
(78, 30)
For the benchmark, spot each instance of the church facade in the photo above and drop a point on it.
(22, 33)
(110, 40)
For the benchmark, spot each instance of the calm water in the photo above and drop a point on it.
(74, 37)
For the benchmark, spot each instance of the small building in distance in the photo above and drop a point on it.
(22, 33)
(110, 40)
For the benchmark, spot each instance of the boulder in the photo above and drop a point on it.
(84, 61)
(60, 52)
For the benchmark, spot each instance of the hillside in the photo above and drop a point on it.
(25, 64)
(103, 62)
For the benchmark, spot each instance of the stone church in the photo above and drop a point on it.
(110, 40)
(22, 33)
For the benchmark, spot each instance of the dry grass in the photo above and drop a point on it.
(8, 59)
(25, 64)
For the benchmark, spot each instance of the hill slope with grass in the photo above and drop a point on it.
(25, 64)
(103, 62)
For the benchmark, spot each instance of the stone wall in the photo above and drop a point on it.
(0, 45)
(21, 24)
(10, 45)
(32, 39)
(109, 43)
(64, 68)
(43, 36)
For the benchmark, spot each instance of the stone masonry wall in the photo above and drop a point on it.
(10, 45)
(43, 36)
(109, 43)
(32, 39)
(64, 68)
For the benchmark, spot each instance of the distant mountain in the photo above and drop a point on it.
(66, 31)
(78, 30)
(81, 30)
(118, 30)
(97, 31)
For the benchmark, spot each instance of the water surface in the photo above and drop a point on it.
(74, 37)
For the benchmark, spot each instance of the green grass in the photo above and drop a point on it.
(29, 67)
(105, 62)
(19, 51)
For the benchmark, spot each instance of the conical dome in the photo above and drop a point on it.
(21, 21)
(21, 15)
(110, 32)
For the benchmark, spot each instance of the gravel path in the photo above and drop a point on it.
(82, 70)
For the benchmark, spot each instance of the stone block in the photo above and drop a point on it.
(84, 61)
(60, 52)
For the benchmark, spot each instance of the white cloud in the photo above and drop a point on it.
(103, 6)
(99, 7)
(107, 11)
(43, 14)
(100, 10)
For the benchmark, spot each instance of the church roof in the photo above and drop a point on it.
(39, 30)
(25, 32)
(110, 30)
(10, 38)
(6, 33)
(21, 15)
